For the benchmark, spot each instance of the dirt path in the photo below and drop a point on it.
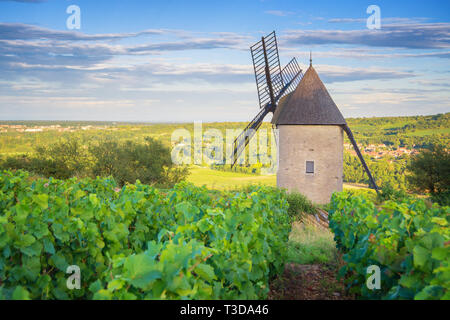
(308, 282)
(317, 281)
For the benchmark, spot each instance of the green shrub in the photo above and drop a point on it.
(62, 160)
(149, 162)
(430, 172)
(69, 158)
(388, 192)
(299, 205)
(16, 162)
(38, 165)
(247, 169)
(442, 198)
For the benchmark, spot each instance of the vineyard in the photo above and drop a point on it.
(138, 242)
(408, 240)
(188, 242)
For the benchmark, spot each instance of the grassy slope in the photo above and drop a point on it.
(311, 244)
(215, 179)
(220, 180)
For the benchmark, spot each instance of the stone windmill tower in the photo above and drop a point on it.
(310, 145)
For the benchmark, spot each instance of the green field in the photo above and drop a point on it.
(221, 180)
(214, 179)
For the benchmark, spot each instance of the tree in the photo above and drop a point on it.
(430, 172)
(63, 159)
(128, 161)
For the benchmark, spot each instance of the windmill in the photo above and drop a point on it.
(272, 83)
(310, 148)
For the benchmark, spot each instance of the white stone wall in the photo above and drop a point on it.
(322, 144)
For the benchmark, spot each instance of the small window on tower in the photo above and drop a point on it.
(309, 166)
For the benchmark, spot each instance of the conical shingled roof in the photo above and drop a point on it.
(309, 104)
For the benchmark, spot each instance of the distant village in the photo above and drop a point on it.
(24, 128)
(378, 151)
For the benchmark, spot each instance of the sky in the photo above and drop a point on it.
(184, 61)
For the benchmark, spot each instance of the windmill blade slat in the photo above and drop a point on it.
(272, 54)
(272, 84)
(259, 60)
(265, 55)
(256, 46)
(292, 74)
(273, 69)
(270, 42)
(261, 79)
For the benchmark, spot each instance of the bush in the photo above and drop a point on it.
(37, 165)
(68, 156)
(16, 162)
(388, 192)
(442, 198)
(430, 172)
(298, 205)
(149, 162)
(62, 160)
(247, 169)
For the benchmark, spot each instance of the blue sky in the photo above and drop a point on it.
(166, 61)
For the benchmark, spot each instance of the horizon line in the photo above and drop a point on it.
(176, 122)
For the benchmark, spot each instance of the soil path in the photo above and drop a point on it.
(308, 282)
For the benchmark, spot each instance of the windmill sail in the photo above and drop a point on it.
(272, 84)
(266, 63)
(244, 138)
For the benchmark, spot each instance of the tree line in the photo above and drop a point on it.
(126, 161)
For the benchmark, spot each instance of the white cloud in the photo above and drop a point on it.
(384, 20)
(279, 13)
(413, 36)
(358, 53)
(333, 73)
